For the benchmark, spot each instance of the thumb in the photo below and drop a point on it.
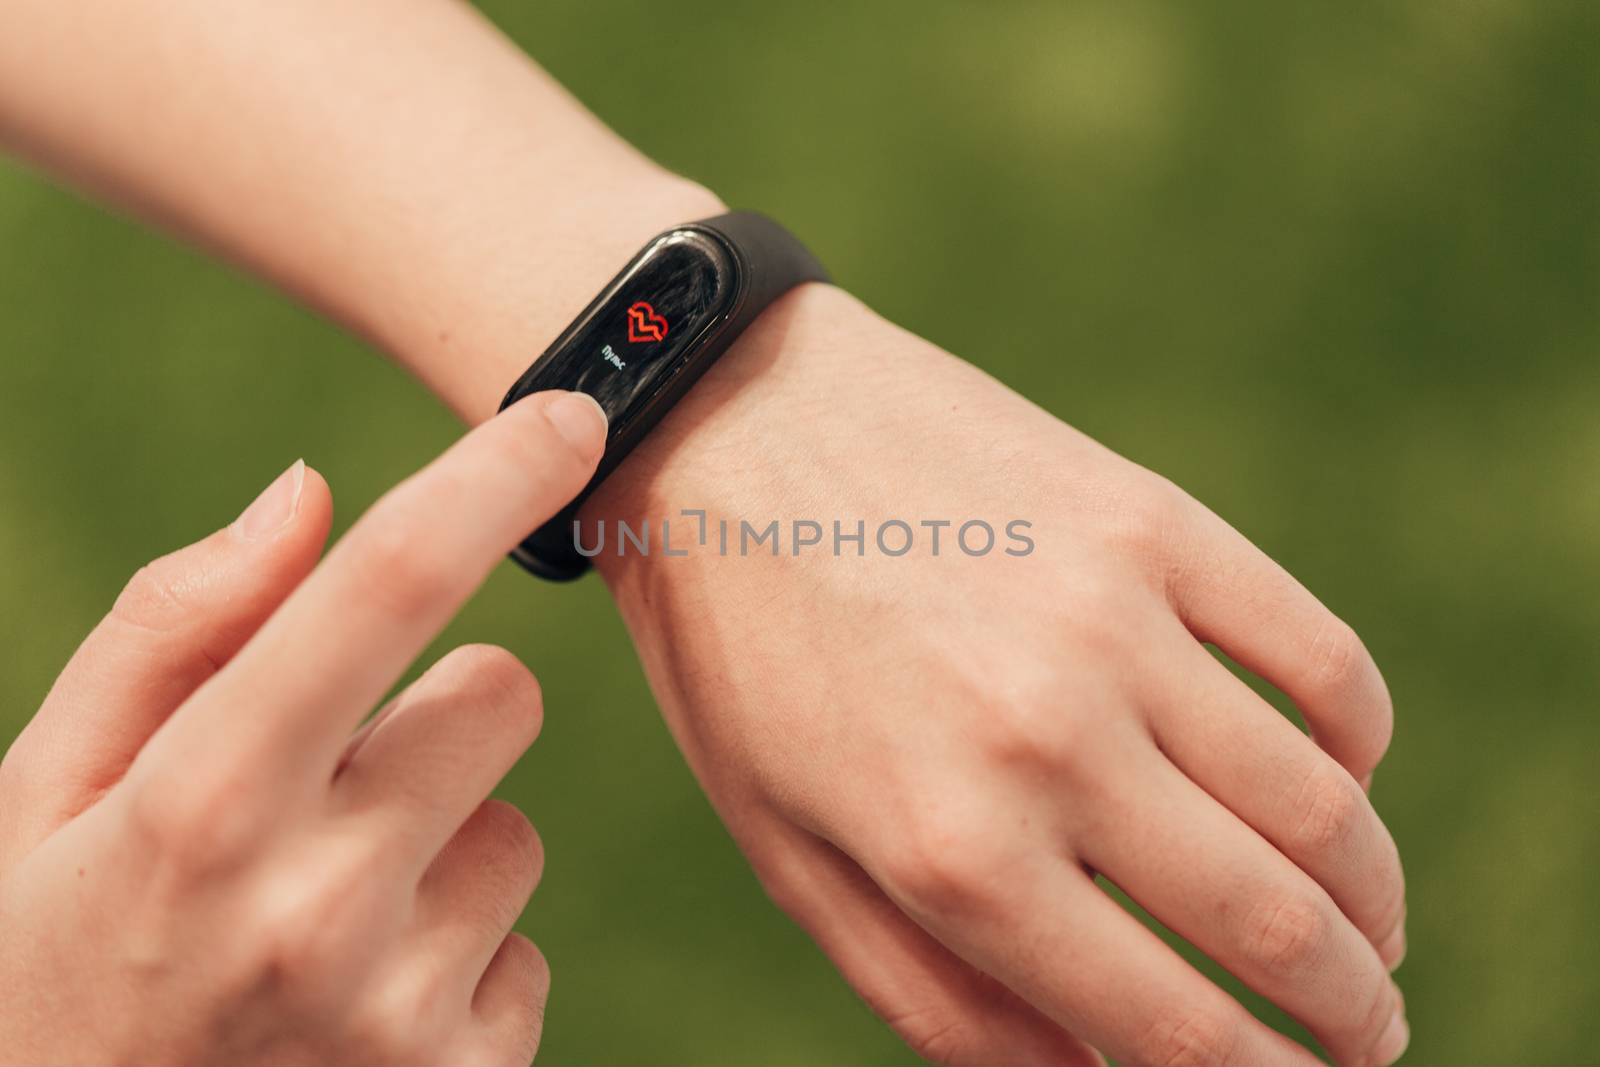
(175, 624)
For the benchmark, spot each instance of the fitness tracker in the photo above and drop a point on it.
(650, 334)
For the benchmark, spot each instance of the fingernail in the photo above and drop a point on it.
(1396, 1036)
(277, 504)
(579, 420)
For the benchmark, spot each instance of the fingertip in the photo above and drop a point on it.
(275, 507)
(316, 504)
(291, 515)
(577, 419)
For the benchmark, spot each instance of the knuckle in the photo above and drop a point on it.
(495, 861)
(1337, 653)
(512, 828)
(496, 668)
(387, 1035)
(1374, 1017)
(528, 964)
(1330, 808)
(1149, 524)
(293, 941)
(1285, 935)
(157, 597)
(1191, 1039)
(1022, 727)
(201, 825)
(1392, 913)
(1022, 720)
(941, 866)
(305, 927)
(393, 566)
(496, 680)
(933, 1035)
(518, 849)
(1343, 672)
(405, 1014)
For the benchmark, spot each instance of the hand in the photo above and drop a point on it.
(928, 759)
(200, 864)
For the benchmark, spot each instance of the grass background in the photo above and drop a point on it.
(1335, 268)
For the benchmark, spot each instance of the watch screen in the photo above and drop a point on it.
(641, 329)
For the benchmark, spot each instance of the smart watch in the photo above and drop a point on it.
(650, 334)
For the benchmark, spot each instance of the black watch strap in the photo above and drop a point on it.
(774, 260)
(738, 264)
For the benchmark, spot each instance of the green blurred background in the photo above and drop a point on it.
(1334, 268)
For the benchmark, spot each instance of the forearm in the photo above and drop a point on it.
(398, 165)
(883, 733)
(402, 167)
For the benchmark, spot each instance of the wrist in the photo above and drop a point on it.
(744, 436)
(770, 428)
(476, 330)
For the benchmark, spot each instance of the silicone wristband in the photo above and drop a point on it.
(672, 311)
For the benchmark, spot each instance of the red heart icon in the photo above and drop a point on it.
(644, 324)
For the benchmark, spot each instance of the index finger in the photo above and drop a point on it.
(290, 699)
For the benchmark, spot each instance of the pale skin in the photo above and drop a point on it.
(924, 759)
(203, 861)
